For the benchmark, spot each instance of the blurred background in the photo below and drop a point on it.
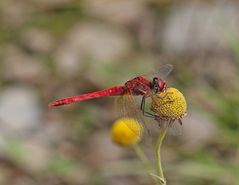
(50, 49)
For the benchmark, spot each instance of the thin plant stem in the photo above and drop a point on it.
(145, 161)
(158, 154)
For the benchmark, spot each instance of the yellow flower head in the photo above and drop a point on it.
(170, 104)
(126, 131)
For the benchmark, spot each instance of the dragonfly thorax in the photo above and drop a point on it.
(138, 86)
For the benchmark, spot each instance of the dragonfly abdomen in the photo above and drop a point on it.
(113, 91)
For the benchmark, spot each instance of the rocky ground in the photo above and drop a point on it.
(57, 48)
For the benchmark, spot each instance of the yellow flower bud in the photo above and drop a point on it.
(169, 105)
(126, 131)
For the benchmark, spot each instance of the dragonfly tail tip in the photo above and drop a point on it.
(50, 105)
(53, 104)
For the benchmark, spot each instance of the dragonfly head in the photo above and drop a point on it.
(158, 85)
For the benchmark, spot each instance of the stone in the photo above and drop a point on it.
(198, 130)
(19, 110)
(121, 12)
(200, 27)
(37, 40)
(91, 42)
(19, 66)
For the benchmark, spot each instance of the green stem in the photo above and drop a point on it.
(158, 154)
(144, 160)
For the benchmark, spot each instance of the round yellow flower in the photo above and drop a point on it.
(170, 104)
(126, 131)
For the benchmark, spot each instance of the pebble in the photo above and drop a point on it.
(19, 66)
(37, 40)
(199, 27)
(198, 130)
(19, 110)
(91, 42)
(120, 12)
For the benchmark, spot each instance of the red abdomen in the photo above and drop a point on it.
(113, 91)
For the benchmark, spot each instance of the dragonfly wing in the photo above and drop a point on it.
(162, 72)
(129, 106)
(175, 129)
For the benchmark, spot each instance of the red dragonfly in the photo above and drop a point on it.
(143, 85)
(139, 85)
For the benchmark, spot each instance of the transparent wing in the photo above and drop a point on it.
(175, 129)
(162, 72)
(129, 106)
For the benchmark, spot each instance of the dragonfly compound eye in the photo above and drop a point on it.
(155, 80)
(162, 85)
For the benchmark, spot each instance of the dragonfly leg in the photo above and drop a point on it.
(142, 108)
(170, 122)
(169, 101)
(180, 121)
(149, 115)
(142, 103)
(162, 97)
